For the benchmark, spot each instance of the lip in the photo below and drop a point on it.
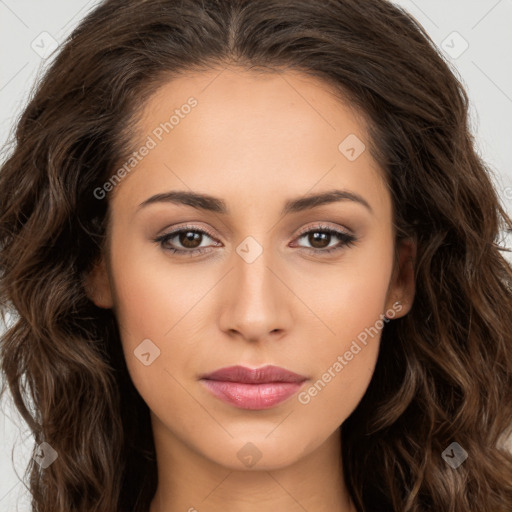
(263, 375)
(253, 388)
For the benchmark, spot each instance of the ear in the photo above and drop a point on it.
(402, 285)
(97, 285)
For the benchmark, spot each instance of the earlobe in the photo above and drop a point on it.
(402, 286)
(97, 286)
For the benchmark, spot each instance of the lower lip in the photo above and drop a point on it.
(252, 396)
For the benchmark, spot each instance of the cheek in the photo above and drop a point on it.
(153, 293)
(350, 296)
(149, 302)
(351, 305)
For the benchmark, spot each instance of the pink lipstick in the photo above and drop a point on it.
(258, 388)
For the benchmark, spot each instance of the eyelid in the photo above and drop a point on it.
(320, 226)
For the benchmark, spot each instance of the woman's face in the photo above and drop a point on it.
(272, 286)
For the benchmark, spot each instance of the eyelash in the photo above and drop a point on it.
(346, 240)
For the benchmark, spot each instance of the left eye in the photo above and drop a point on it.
(191, 238)
(318, 236)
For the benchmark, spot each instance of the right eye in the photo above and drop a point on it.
(188, 237)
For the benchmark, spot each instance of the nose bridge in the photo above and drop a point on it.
(252, 272)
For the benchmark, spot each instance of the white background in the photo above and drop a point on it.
(27, 28)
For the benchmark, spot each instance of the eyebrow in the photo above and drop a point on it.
(213, 204)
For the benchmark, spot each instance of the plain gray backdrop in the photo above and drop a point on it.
(474, 35)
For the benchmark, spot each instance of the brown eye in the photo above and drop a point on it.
(320, 239)
(190, 239)
(185, 241)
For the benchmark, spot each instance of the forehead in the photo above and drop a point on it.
(261, 103)
(250, 134)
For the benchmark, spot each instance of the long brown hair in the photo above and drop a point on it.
(444, 372)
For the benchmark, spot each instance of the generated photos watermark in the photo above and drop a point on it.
(343, 360)
(151, 143)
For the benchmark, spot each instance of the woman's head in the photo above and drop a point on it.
(253, 286)
(257, 104)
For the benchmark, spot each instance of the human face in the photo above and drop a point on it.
(263, 292)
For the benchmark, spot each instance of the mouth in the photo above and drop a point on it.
(253, 389)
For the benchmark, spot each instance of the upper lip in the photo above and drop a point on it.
(261, 375)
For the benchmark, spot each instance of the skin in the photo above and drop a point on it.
(254, 141)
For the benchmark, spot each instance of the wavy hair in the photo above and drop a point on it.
(444, 371)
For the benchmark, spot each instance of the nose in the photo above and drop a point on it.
(256, 302)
